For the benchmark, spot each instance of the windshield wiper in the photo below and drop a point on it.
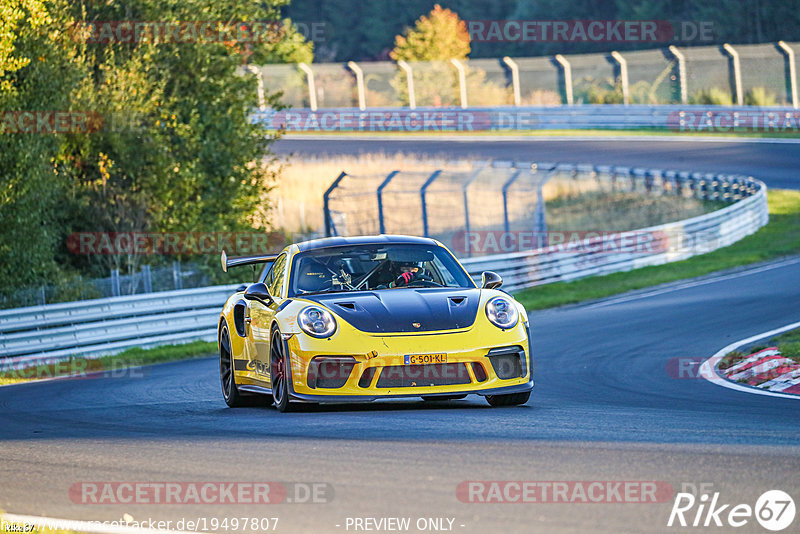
(331, 290)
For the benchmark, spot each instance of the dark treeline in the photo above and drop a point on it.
(366, 29)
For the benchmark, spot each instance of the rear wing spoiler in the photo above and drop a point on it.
(227, 262)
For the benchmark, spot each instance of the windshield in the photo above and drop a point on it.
(375, 267)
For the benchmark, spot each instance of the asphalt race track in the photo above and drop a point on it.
(775, 163)
(604, 408)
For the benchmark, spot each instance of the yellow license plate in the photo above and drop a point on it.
(425, 359)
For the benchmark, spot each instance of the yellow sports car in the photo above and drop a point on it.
(365, 318)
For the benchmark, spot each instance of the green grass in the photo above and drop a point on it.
(781, 237)
(566, 133)
(130, 358)
(788, 344)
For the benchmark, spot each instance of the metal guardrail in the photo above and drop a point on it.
(92, 328)
(671, 242)
(678, 118)
(96, 327)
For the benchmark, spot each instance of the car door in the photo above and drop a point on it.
(261, 316)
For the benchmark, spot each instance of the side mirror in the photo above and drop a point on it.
(491, 280)
(259, 292)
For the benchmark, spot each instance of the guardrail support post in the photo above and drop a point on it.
(790, 72)
(565, 73)
(622, 75)
(147, 279)
(177, 279)
(514, 68)
(330, 229)
(115, 291)
(412, 101)
(734, 73)
(462, 81)
(681, 72)
(362, 98)
(388, 179)
(312, 88)
(422, 192)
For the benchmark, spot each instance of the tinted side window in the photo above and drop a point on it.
(275, 277)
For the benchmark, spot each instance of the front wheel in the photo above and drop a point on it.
(279, 372)
(511, 399)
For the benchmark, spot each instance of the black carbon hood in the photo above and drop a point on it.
(402, 309)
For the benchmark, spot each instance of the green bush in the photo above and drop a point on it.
(591, 91)
(759, 96)
(711, 97)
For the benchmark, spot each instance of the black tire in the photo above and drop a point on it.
(512, 399)
(443, 397)
(230, 392)
(280, 371)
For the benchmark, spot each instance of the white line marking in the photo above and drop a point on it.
(553, 138)
(97, 527)
(695, 283)
(708, 369)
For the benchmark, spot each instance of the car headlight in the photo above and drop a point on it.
(316, 322)
(502, 313)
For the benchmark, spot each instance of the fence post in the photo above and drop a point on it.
(412, 101)
(509, 183)
(790, 71)
(385, 182)
(115, 292)
(422, 192)
(362, 98)
(512, 65)
(177, 279)
(540, 218)
(330, 229)
(681, 75)
(312, 88)
(146, 279)
(734, 73)
(622, 68)
(472, 177)
(565, 72)
(462, 81)
(262, 102)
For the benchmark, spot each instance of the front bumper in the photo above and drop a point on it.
(481, 360)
